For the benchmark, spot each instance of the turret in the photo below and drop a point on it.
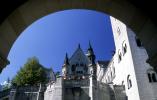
(90, 54)
(65, 66)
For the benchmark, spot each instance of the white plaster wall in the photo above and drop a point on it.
(133, 63)
(100, 72)
(126, 66)
(139, 57)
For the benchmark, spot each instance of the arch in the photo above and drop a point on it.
(152, 76)
(119, 56)
(129, 82)
(124, 48)
(118, 30)
(28, 12)
(138, 42)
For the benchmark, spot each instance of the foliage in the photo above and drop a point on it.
(57, 74)
(32, 73)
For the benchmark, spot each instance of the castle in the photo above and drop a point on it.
(127, 76)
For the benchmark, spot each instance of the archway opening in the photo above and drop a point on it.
(50, 37)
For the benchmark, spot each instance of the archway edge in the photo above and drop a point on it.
(33, 10)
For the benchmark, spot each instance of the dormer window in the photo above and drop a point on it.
(152, 77)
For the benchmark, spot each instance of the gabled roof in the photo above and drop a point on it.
(78, 54)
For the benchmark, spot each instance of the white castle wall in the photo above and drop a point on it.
(125, 66)
(54, 90)
(133, 63)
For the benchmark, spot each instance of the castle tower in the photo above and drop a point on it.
(90, 54)
(91, 57)
(65, 66)
(131, 69)
(92, 70)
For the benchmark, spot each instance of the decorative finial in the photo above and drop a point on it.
(90, 44)
(66, 61)
(79, 45)
(66, 55)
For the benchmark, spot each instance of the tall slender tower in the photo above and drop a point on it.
(65, 66)
(91, 57)
(92, 71)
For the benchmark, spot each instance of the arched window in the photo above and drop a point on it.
(152, 77)
(118, 31)
(113, 70)
(119, 56)
(129, 82)
(149, 77)
(124, 48)
(138, 42)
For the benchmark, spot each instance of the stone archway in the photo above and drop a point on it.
(32, 10)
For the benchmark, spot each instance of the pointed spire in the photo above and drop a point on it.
(91, 54)
(90, 46)
(66, 60)
(79, 45)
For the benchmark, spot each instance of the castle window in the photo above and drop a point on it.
(154, 77)
(119, 56)
(80, 72)
(138, 42)
(113, 69)
(85, 68)
(73, 68)
(124, 48)
(123, 85)
(77, 64)
(129, 82)
(81, 64)
(151, 75)
(118, 31)
(122, 82)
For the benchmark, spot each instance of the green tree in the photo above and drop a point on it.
(57, 74)
(31, 73)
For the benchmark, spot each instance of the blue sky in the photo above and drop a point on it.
(50, 37)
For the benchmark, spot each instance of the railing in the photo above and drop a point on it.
(76, 83)
(5, 93)
(29, 88)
